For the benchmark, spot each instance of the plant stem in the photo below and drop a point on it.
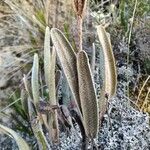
(79, 25)
(129, 41)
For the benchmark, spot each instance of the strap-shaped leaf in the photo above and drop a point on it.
(58, 79)
(67, 58)
(47, 57)
(35, 79)
(49, 69)
(22, 145)
(102, 100)
(52, 89)
(66, 94)
(110, 68)
(87, 94)
(52, 97)
(36, 126)
(93, 59)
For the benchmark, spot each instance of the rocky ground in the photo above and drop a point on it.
(124, 127)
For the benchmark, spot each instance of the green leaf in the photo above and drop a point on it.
(67, 59)
(35, 79)
(47, 57)
(88, 98)
(49, 69)
(36, 126)
(109, 63)
(22, 145)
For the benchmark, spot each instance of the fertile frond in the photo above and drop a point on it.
(87, 94)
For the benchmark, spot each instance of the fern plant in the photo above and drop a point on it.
(77, 70)
(78, 74)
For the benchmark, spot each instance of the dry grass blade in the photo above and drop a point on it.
(146, 102)
(24, 100)
(22, 145)
(22, 12)
(67, 58)
(87, 94)
(25, 9)
(110, 68)
(35, 80)
(26, 85)
(42, 27)
(142, 88)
